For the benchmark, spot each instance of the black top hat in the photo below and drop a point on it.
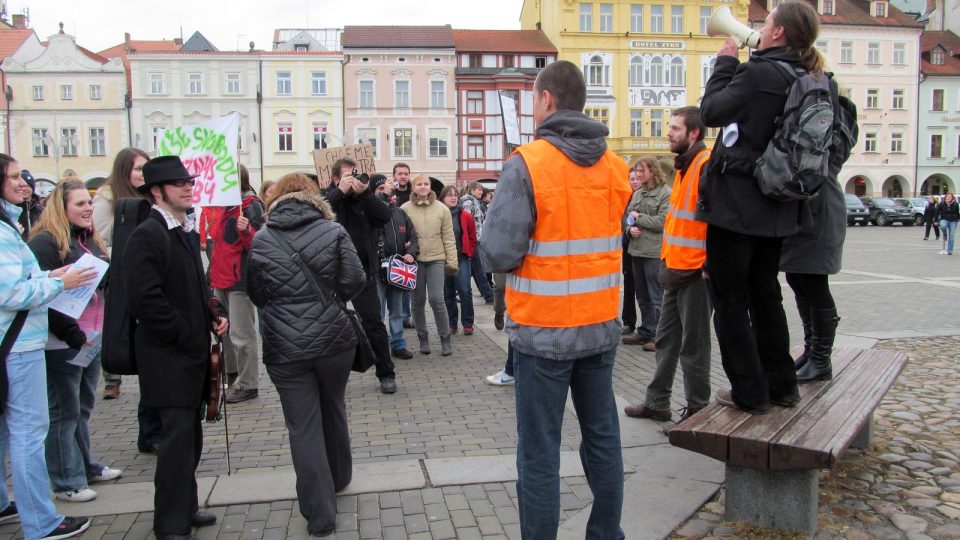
(163, 170)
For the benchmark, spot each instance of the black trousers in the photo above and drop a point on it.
(936, 229)
(629, 314)
(812, 289)
(367, 306)
(748, 316)
(181, 444)
(149, 421)
(312, 397)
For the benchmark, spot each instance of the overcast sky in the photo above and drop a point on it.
(99, 24)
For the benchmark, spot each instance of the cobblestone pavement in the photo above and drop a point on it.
(893, 284)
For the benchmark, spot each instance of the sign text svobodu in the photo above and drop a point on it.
(208, 150)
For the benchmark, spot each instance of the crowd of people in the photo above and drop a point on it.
(571, 222)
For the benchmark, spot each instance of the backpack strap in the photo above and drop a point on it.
(787, 71)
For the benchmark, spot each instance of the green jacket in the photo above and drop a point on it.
(652, 205)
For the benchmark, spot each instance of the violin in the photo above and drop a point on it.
(214, 397)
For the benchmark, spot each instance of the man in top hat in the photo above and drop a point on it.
(168, 294)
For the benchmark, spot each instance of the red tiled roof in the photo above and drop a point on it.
(140, 45)
(93, 56)
(847, 12)
(520, 41)
(951, 60)
(398, 37)
(11, 40)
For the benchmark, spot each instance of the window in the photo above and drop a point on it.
(821, 45)
(285, 137)
(936, 57)
(937, 99)
(636, 18)
(476, 60)
(508, 61)
(606, 17)
(155, 136)
(66, 92)
(157, 85)
(284, 83)
(318, 83)
(40, 147)
(319, 136)
(98, 142)
(827, 7)
(300, 47)
(636, 123)
(873, 53)
(366, 94)
(656, 71)
(897, 99)
(705, 13)
(437, 95)
(401, 96)
(676, 19)
(95, 93)
(846, 52)
(707, 71)
(676, 72)
(438, 142)
(656, 19)
(636, 71)
(194, 83)
(880, 9)
(368, 135)
(586, 17)
(873, 98)
(38, 93)
(540, 62)
(474, 147)
(896, 142)
(68, 142)
(870, 142)
(600, 114)
(656, 123)
(233, 83)
(474, 102)
(899, 54)
(403, 142)
(936, 146)
(596, 72)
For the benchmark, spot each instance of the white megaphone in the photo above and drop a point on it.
(722, 23)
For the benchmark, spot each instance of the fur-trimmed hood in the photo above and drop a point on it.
(295, 209)
(423, 201)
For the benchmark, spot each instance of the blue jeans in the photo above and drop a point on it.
(23, 427)
(391, 301)
(541, 394)
(646, 284)
(71, 393)
(508, 366)
(949, 229)
(480, 277)
(407, 297)
(461, 285)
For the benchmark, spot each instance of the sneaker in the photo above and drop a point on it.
(70, 526)
(402, 354)
(75, 495)
(498, 320)
(237, 395)
(500, 378)
(9, 513)
(388, 385)
(468, 330)
(408, 323)
(642, 411)
(111, 391)
(107, 474)
(453, 330)
(725, 398)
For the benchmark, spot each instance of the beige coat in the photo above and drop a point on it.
(434, 226)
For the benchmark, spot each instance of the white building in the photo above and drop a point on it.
(939, 160)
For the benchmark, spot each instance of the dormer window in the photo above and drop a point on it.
(936, 57)
(879, 9)
(827, 7)
(299, 47)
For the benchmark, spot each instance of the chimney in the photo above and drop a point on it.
(126, 38)
(178, 41)
(20, 21)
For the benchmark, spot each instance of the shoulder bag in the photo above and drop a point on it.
(9, 338)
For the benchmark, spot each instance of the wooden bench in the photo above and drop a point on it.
(773, 461)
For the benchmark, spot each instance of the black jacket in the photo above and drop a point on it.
(398, 235)
(168, 294)
(752, 95)
(30, 215)
(45, 248)
(949, 212)
(298, 323)
(361, 214)
(930, 213)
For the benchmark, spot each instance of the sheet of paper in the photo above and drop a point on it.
(72, 303)
(88, 352)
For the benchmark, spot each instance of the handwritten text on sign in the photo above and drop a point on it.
(324, 159)
(209, 151)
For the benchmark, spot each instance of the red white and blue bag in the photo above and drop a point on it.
(395, 271)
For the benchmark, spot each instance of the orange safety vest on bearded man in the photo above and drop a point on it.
(571, 274)
(685, 238)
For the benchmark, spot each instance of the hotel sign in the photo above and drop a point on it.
(643, 44)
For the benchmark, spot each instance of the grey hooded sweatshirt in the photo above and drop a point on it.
(510, 222)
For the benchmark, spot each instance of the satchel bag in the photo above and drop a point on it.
(396, 272)
(364, 357)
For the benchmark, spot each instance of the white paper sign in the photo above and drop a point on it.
(511, 123)
(88, 352)
(208, 150)
(72, 303)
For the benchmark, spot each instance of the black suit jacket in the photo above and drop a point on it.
(167, 294)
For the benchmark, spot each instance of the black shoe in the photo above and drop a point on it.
(790, 400)
(388, 385)
(202, 519)
(402, 354)
(188, 536)
(725, 398)
(687, 412)
(498, 320)
(627, 330)
(70, 526)
(241, 394)
(9, 513)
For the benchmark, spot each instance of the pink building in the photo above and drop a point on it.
(399, 95)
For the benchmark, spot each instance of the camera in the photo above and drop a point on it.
(364, 178)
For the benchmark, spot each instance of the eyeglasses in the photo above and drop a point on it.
(182, 182)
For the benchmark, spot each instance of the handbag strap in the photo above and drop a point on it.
(307, 272)
(12, 333)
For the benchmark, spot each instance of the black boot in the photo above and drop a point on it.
(818, 368)
(804, 309)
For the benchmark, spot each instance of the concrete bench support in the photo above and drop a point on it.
(862, 440)
(773, 499)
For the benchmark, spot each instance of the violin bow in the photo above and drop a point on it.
(214, 306)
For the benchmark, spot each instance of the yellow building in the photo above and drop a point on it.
(640, 60)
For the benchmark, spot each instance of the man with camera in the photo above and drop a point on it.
(362, 214)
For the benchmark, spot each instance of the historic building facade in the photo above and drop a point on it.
(938, 162)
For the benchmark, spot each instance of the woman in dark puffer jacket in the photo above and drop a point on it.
(308, 343)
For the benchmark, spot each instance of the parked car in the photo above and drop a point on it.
(917, 204)
(885, 211)
(857, 213)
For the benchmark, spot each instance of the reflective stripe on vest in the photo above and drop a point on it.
(684, 237)
(571, 273)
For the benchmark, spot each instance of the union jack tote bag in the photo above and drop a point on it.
(398, 273)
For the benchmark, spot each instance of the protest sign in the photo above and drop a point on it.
(72, 303)
(511, 123)
(208, 150)
(324, 158)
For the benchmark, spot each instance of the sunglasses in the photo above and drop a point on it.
(182, 182)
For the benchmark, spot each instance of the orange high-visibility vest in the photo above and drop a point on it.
(571, 274)
(685, 238)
